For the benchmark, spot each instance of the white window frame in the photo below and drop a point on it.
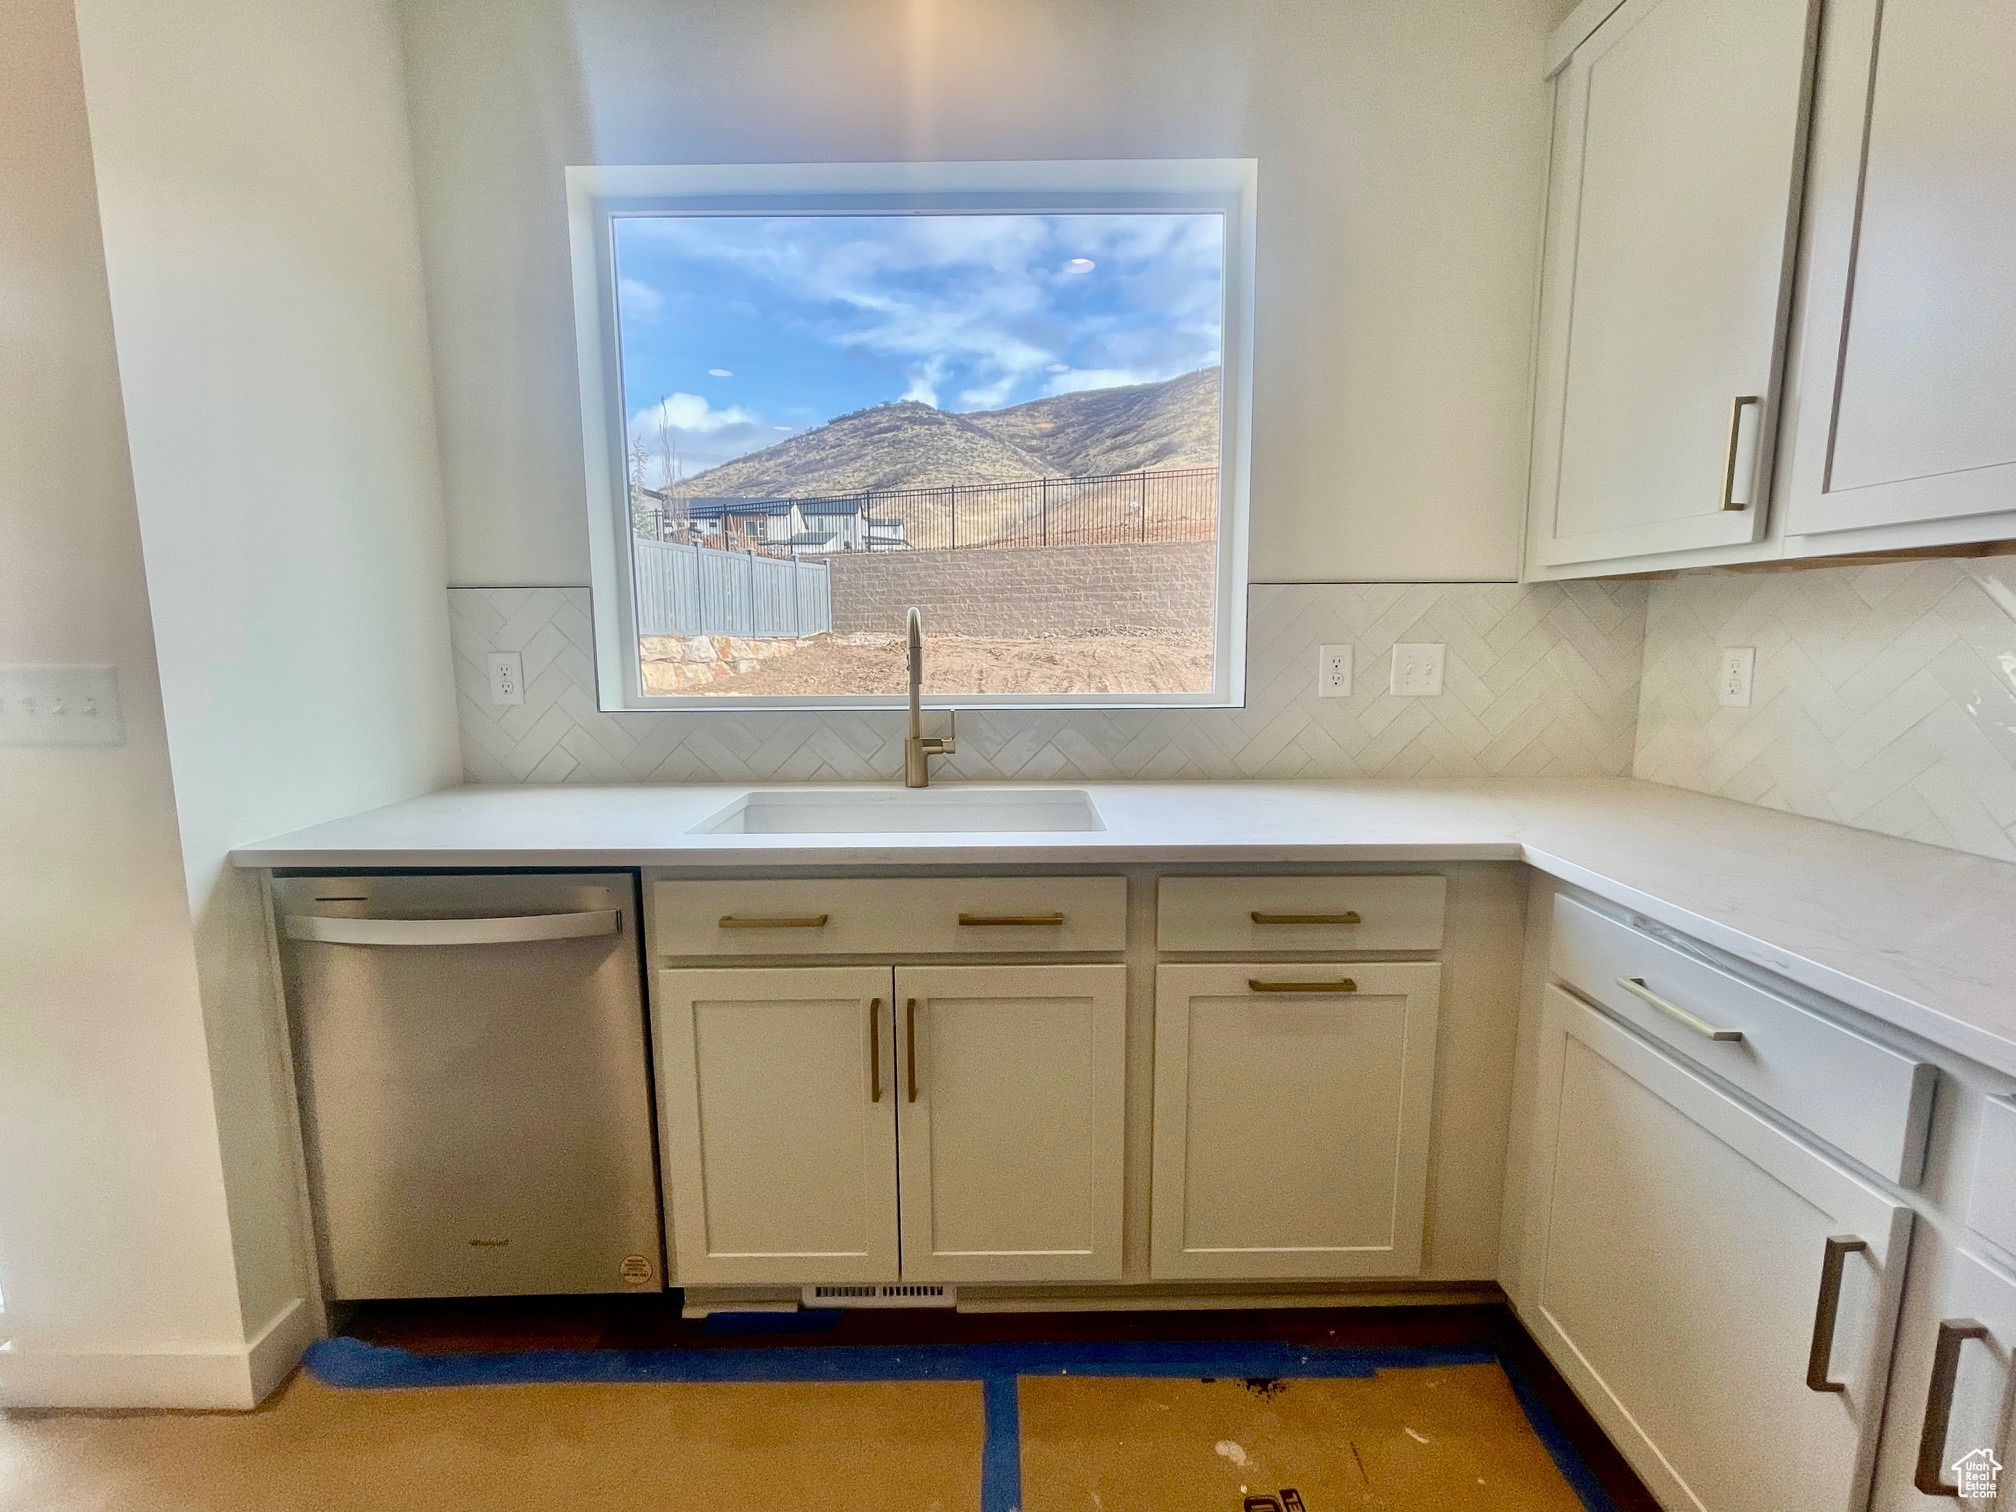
(1225, 186)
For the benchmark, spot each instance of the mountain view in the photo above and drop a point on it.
(910, 444)
(988, 400)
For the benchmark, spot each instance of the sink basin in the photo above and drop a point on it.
(858, 811)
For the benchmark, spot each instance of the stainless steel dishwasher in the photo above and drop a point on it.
(474, 1086)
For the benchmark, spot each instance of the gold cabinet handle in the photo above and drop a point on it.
(1637, 988)
(1930, 1476)
(874, 1050)
(1011, 921)
(1735, 435)
(1347, 917)
(1839, 1248)
(910, 1047)
(809, 921)
(1342, 984)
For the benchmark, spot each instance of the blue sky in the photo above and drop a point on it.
(739, 331)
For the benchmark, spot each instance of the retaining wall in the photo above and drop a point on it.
(1016, 591)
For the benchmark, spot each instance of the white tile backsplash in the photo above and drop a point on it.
(1884, 696)
(1541, 680)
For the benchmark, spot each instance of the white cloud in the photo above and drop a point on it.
(1077, 380)
(924, 377)
(719, 373)
(639, 298)
(686, 433)
(990, 395)
(692, 413)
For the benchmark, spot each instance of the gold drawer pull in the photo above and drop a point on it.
(1011, 921)
(810, 921)
(1743, 401)
(910, 1048)
(874, 1050)
(1342, 984)
(1930, 1474)
(1347, 917)
(1637, 988)
(1828, 1310)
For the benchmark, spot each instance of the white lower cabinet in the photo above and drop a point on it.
(785, 1094)
(1292, 1119)
(777, 1123)
(1955, 1425)
(1722, 1296)
(1012, 1121)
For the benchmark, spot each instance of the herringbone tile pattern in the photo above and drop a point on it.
(1885, 696)
(1541, 680)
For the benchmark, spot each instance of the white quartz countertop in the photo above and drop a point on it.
(1920, 937)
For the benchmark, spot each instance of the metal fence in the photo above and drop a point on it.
(696, 590)
(1169, 504)
(1165, 504)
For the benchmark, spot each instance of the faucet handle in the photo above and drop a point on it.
(950, 741)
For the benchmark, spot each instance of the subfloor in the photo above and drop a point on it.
(1439, 1438)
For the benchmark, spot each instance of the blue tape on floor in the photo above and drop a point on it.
(1001, 1457)
(1547, 1428)
(354, 1363)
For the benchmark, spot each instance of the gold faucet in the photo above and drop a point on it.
(917, 750)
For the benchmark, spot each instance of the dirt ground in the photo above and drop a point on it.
(1145, 662)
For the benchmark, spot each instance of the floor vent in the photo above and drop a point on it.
(900, 1294)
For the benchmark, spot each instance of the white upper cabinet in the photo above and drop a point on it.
(1908, 352)
(1678, 154)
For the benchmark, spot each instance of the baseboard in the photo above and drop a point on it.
(277, 1348)
(228, 1379)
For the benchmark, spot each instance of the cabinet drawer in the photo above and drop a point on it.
(1259, 915)
(1863, 1098)
(888, 915)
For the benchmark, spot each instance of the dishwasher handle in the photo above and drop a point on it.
(514, 930)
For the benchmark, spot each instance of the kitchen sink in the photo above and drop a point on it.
(887, 811)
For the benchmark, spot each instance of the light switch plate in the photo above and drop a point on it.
(507, 678)
(1333, 672)
(1732, 683)
(1417, 670)
(60, 706)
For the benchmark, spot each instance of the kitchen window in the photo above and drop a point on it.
(1011, 395)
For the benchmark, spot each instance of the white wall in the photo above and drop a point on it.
(1401, 147)
(113, 1235)
(255, 189)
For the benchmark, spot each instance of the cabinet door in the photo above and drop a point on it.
(1908, 409)
(1013, 1117)
(1292, 1118)
(1678, 1250)
(777, 1123)
(1956, 1426)
(1679, 142)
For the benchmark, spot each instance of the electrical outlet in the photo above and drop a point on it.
(1417, 671)
(60, 706)
(1333, 672)
(1739, 667)
(507, 678)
